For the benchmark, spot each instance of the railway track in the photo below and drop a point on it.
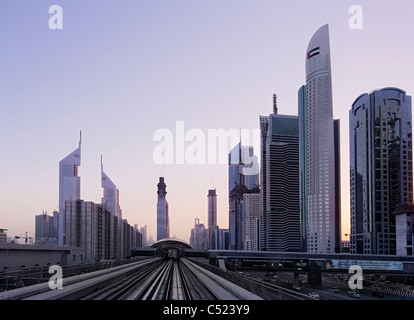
(150, 279)
(181, 280)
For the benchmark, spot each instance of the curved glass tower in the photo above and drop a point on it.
(320, 155)
(381, 175)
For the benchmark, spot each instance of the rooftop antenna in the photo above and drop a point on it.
(274, 103)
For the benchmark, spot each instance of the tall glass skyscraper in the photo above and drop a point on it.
(163, 223)
(110, 197)
(381, 172)
(318, 178)
(69, 185)
(241, 181)
(280, 216)
(110, 202)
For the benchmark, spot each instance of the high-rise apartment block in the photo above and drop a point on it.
(95, 229)
(92, 227)
(250, 221)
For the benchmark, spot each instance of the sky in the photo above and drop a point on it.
(120, 70)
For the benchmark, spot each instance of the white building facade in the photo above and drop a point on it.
(320, 157)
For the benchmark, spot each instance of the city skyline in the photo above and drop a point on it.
(107, 74)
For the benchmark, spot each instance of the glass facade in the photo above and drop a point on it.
(380, 168)
(69, 186)
(302, 168)
(240, 183)
(280, 219)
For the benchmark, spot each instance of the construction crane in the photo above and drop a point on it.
(26, 238)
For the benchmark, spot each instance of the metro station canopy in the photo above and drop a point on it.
(171, 243)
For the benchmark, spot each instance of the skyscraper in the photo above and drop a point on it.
(303, 195)
(280, 217)
(319, 212)
(46, 232)
(95, 229)
(69, 185)
(338, 212)
(264, 125)
(163, 224)
(381, 176)
(212, 217)
(199, 237)
(110, 201)
(110, 197)
(81, 227)
(251, 217)
(241, 181)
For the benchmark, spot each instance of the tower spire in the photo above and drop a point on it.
(274, 103)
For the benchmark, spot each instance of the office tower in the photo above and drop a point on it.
(199, 236)
(212, 217)
(144, 231)
(303, 196)
(137, 237)
(163, 224)
(264, 125)
(280, 217)
(251, 216)
(110, 201)
(319, 211)
(221, 239)
(110, 197)
(242, 179)
(69, 185)
(381, 176)
(46, 232)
